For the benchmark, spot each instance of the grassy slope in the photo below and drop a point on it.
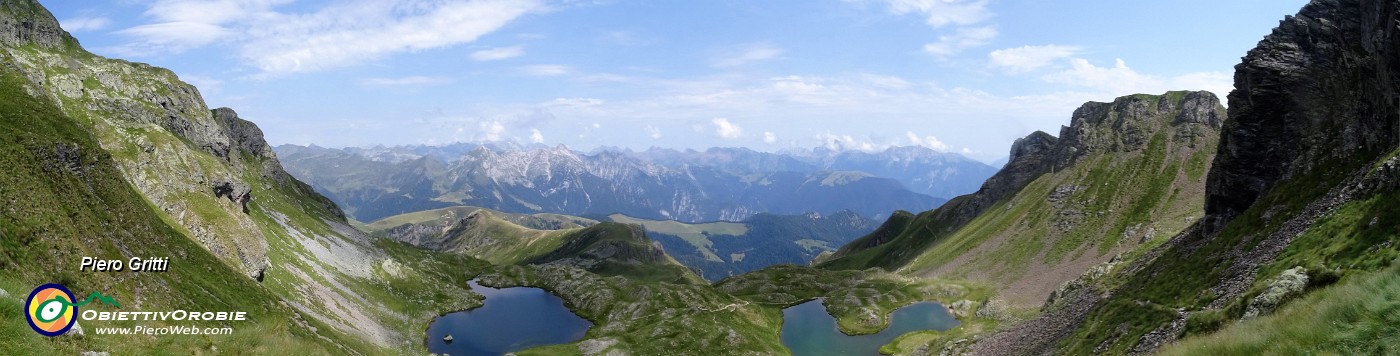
(1359, 316)
(1113, 199)
(332, 274)
(483, 234)
(1121, 197)
(65, 206)
(695, 234)
(1340, 243)
(446, 216)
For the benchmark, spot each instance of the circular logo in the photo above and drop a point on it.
(50, 310)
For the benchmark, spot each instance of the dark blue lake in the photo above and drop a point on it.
(809, 330)
(512, 319)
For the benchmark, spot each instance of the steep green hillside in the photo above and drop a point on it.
(66, 199)
(723, 249)
(606, 248)
(1356, 317)
(1302, 195)
(1122, 178)
(224, 205)
(445, 217)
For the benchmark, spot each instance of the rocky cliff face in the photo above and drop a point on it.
(1301, 185)
(135, 110)
(28, 23)
(1321, 88)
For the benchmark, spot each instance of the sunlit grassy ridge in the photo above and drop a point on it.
(1359, 316)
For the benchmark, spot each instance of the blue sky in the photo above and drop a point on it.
(963, 76)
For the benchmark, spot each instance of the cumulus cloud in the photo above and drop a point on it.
(1220, 83)
(725, 129)
(770, 137)
(493, 130)
(847, 142)
(406, 81)
(960, 39)
(83, 24)
(1122, 80)
(752, 53)
(1029, 58)
(927, 141)
(336, 35)
(1118, 78)
(536, 136)
(653, 132)
(499, 53)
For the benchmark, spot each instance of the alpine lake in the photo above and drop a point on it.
(519, 318)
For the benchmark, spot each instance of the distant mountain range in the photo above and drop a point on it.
(714, 249)
(728, 184)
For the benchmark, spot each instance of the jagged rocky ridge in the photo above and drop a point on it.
(1185, 121)
(559, 180)
(1310, 139)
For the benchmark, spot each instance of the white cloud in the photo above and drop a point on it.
(1117, 79)
(334, 36)
(1121, 80)
(1027, 58)
(536, 136)
(753, 53)
(770, 137)
(1220, 83)
(965, 16)
(492, 131)
(173, 37)
(82, 24)
(725, 129)
(960, 39)
(406, 81)
(939, 13)
(926, 141)
(499, 53)
(546, 70)
(653, 132)
(847, 142)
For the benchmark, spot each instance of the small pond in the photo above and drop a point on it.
(809, 330)
(512, 319)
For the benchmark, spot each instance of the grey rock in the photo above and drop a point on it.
(1319, 88)
(26, 22)
(1287, 285)
(77, 330)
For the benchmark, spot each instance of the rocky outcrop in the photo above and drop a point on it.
(160, 133)
(1314, 107)
(27, 22)
(1287, 285)
(1321, 88)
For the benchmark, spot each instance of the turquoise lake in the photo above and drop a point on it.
(809, 330)
(512, 319)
